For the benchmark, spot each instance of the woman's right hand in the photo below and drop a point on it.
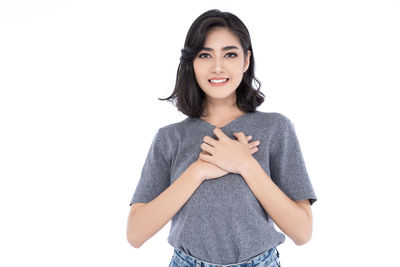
(210, 171)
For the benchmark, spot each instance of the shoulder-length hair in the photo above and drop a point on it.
(187, 93)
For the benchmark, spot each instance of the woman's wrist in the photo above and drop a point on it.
(197, 171)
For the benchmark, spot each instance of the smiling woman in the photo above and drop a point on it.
(224, 65)
(223, 193)
(217, 46)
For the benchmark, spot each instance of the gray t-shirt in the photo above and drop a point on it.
(223, 222)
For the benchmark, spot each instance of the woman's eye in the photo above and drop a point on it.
(204, 55)
(234, 54)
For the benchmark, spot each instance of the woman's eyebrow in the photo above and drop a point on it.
(223, 49)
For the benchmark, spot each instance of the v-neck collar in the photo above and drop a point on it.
(209, 125)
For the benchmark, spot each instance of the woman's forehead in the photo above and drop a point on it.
(220, 38)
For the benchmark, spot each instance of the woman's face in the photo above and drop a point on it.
(221, 58)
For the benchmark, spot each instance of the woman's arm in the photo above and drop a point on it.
(146, 220)
(294, 218)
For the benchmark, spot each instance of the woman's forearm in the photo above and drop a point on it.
(292, 219)
(149, 219)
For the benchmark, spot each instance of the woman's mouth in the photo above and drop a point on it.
(218, 82)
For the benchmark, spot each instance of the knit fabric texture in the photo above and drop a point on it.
(223, 222)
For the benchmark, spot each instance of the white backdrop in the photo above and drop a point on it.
(79, 84)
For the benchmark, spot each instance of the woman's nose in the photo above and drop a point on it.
(217, 65)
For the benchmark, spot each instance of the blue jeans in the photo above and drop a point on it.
(269, 258)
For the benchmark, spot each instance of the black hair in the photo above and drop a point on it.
(187, 93)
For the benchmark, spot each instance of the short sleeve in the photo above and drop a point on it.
(287, 166)
(155, 175)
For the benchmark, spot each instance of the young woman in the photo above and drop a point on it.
(223, 193)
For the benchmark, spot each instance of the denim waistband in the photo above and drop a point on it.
(181, 257)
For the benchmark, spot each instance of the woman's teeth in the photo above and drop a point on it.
(219, 81)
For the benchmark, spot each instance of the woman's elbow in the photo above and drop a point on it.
(132, 235)
(304, 237)
(302, 241)
(134, 243)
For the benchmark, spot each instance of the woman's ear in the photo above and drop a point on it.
(247, 61)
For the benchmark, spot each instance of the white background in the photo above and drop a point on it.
(79, 84)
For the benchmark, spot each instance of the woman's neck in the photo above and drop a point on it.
(220, 116)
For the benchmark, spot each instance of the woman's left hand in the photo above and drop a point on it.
(226, 153)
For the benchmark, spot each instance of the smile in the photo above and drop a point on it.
(217, 82)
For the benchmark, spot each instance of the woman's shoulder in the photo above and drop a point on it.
(174, 129)
(273, 118)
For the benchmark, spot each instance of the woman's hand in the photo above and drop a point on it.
(210, 170)
(226, 153)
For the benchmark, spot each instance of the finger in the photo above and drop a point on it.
(205, 157)
(249, 137)
(209, 140)
(253, 150)
(241, 137)
(219, 133)
(205, 153)
(206, 147)
(253, 144)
